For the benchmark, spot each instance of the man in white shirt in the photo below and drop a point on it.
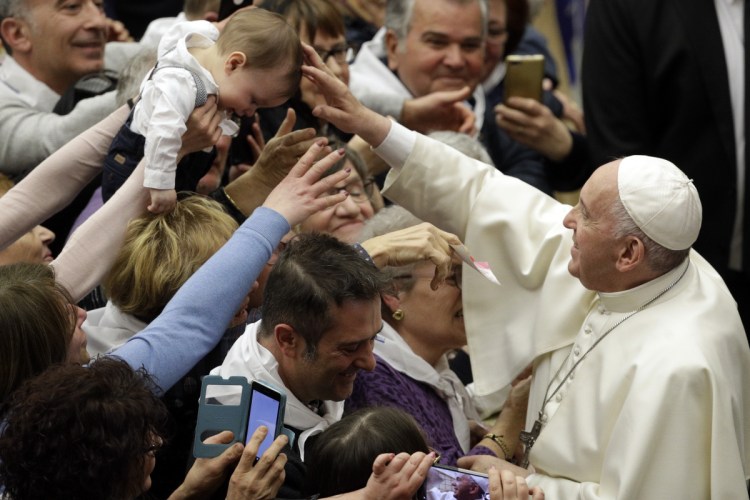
(321, 314)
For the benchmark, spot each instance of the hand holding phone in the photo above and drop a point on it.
(266, 408)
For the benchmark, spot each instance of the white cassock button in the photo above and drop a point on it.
(558, 398)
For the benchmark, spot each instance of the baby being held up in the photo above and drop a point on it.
(253, 60)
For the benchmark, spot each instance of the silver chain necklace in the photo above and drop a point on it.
(529, 438)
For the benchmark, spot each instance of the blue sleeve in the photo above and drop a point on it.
(194, 320)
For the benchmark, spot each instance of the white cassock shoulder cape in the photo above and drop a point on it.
(659, 409)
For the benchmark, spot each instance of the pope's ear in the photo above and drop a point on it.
(16, 34)
(391, 47)
(632, 254)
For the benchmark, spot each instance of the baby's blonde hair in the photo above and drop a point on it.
(267, 41)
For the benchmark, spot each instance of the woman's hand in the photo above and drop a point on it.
(415, 244)
(207, 474)
(504, 485)
(261, 480)
(302, 192)
(397, 477)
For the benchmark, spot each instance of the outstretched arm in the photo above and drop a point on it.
(194, 320)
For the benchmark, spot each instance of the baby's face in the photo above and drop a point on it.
(244, 90)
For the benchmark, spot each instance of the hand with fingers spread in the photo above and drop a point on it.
(281, 153)
(259, 480)
(443, 110)
(504, 485)
(532, 124)
(207, 474)
(342, 109)
(397, 477)
(302, 192)
(284, 150)
(415, 244)
(202, 128)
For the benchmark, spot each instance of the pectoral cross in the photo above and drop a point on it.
(528, 439)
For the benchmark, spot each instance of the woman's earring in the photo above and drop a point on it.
(398, 314)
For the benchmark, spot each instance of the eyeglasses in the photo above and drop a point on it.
(453, 279)
(359, 193)
(341, 53)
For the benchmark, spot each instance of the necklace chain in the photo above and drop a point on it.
(623, 320)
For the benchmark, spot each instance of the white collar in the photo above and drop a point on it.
(397, 353)
(251, 360)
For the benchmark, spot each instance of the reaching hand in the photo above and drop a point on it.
(207, 474)
(483, 464)
(302, 192)
(504, 485)
(397, 477)
(261, 480)
(342, 109)
(284, 150)
(415, 244)
(444, 110)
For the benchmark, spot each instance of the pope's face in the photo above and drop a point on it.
(444, 49)
(595, 250)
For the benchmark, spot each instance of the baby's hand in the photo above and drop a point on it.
(162, 200)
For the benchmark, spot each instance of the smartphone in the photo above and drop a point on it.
(266, 408)
(228, 7)
(443, 480)
(523, 76)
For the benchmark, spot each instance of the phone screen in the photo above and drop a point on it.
(443, 481)
(264, 410)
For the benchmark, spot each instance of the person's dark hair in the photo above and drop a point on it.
(79, 432)
(341, 457)
(314, 15)
(517, 20)
(313, 273)
(36, 323)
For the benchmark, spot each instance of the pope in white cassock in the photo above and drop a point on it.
(641, 365)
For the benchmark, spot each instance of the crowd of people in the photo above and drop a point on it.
(311, 194)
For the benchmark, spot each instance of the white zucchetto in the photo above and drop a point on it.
(661, 200)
